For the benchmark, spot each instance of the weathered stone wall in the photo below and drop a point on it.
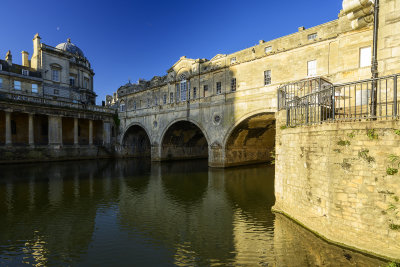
(335, 179)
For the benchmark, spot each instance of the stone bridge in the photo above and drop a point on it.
(229, 129)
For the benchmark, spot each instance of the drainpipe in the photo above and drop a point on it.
(374, 65)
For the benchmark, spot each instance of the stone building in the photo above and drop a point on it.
(47, 105)
(231, 99)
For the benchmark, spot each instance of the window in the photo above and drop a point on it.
(205, 89)
(312, 68)
(1, 67)
(365, 57)
(233, 60)
(177, 92)
(86, 83)
(165, 99)
(55, 75)
(155, 101)
(218, 88)
(183, 90)
(34, 88)
(171, 98)
(194, 92)
(233, 84)
(1, 83)
(25, 72)
(56, 92)
(134, 105)
(17, 85)
(267, 77)
(312, 36)
(148, 102)
(71, 81)
(122, 107)
(268, 49)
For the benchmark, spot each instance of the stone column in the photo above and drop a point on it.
(76, 127)
(106, 133)
(8, 129)
(90, 132)
(31, 131)
(156, 152)
(54, 131)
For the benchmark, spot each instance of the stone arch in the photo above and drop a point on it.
(136, 142)
(251, 139)
(184, 139)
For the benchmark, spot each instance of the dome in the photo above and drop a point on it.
(70, 47)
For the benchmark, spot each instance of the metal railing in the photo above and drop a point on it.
(324, 102)
(52, 102)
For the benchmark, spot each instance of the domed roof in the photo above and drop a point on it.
(70, 47)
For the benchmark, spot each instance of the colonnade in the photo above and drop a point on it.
(55, 131)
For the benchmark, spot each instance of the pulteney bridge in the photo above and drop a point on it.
(229, 129)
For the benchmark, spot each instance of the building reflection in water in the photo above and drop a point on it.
(120, 212)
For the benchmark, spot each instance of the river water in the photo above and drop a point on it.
(134, 213)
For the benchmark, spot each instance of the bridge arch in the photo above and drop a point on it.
(135, 142)
(184, 139)
(251, 139)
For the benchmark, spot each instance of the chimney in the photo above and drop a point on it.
(25, 59)
(35, 60)
(302, 28)
(9, 58)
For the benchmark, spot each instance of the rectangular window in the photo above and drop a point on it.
(312, 68)
(122, 107)
(25, 72)
(56, 91)
(165, 99)
(177, 92)
(71, 81)
(1, 67)
(365, 57)
(134, 105)
(233, 84)
(171, 98)
(148, 102)
(1, 83)
(218, 88)
(86, 83)
(312, 36)
(267, 77)
(268, 49)
(55, 75)
(17, 85)
(183, 90)
(34, 88)
(194, 92)
(155, 101)
(233, 60)
(205, 89)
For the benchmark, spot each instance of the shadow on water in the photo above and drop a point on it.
(124, 212)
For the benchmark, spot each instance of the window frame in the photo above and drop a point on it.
(19, 87)
(35, 90)
(194, 92)
(312, 36)
(268, 49)
(25, 72)
(233, 60)
(267, 77)
(1, 83)
(309, 74)
(55, 73)
(233, 84)
(171, 97)
(218, 88)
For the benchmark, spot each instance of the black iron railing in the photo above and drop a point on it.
(322, 101)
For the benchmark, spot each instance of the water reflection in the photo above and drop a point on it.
(132, 212)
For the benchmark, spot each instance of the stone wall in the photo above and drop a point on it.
(339, 181)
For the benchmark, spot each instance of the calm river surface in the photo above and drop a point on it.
(133, 213)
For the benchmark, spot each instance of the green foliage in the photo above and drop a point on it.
(272, 154)
(283, 127)
(371, 134)
(396, 198)
(117, 121)
(364, 155)
(393, 264)
(394, 159)
(337, 150)
(397, 132)
(351, 135)
(395, 227)
(343, 143)
(391, 171)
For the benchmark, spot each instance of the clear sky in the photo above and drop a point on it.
(140, 39)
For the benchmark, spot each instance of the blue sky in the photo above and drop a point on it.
(140, 39)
